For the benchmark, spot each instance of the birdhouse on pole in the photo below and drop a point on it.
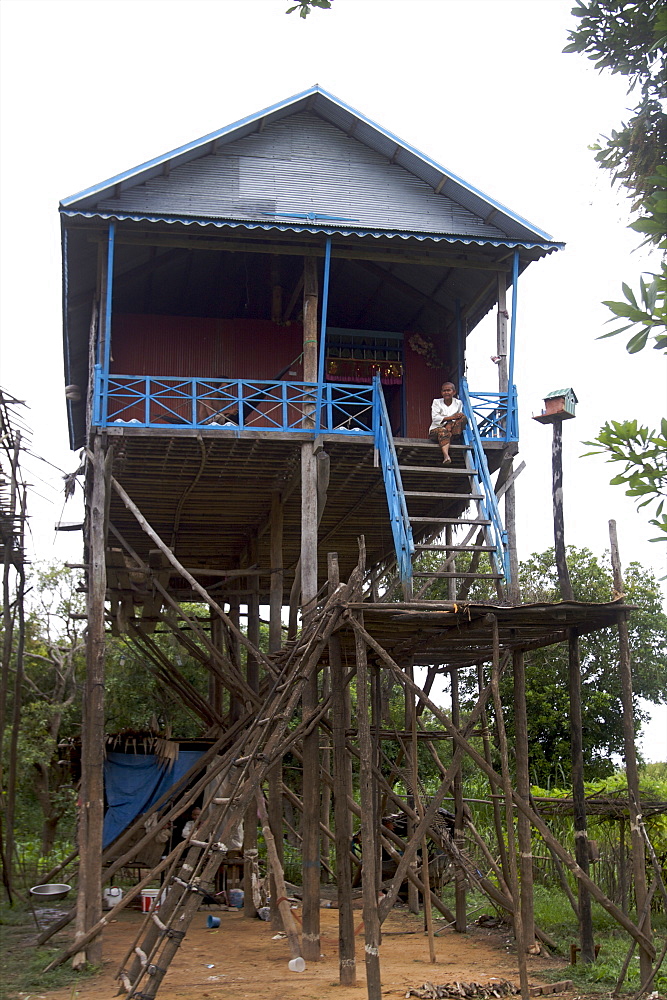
(558, 405)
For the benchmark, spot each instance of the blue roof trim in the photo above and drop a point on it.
(547, 245)
(312, 92)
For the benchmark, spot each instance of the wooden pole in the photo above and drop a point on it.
(289, 922)
(503, 386)
(425, 872)
(523, 789)
(495, 791)
(91, 808)
(461, 925)
(311, 761)
(579, 798)
(566, 591)
(275, 776)
(250, 818)
(368, 837)
(465, 746)
(340, 719)
(632, 773)
(509, 813)
(411, 768)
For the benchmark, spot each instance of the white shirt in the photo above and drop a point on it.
(440, 410)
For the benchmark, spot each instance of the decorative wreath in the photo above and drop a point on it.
(425, 347)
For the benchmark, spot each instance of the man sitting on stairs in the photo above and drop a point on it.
(447, 419)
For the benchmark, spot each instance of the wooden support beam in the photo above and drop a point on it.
(579, 797)
(91, 810)
(632, 773)
(342, 775)
(461, 924)
(464, 745)
(522, 763)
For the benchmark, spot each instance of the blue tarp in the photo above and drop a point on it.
(134, 782)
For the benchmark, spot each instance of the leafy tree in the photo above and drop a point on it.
(629, 37)
(644, 456)
(304, 7)
(54, 668)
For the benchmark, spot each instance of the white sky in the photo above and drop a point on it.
(93, 87)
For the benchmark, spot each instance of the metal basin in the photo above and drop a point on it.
(50, 893)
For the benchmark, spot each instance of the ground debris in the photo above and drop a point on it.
(495, 988)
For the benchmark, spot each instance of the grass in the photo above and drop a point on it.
(22, 964)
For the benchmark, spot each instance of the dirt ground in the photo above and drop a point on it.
(242, 959)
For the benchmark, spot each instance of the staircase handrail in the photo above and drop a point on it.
(489, 502)
(398, 509)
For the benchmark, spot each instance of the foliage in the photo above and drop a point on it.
(629, 37)
(304, 7)
(644, 455)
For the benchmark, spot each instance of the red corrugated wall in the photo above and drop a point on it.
(422, 385)
(192, 347)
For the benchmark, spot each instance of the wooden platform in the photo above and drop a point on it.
(209, 495)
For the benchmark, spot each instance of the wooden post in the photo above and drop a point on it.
(523, 788)
(632, 774)
(276, 865)
(579, 797)
(411, 768)
(276, 586)
(311, 761)
(275, 776)
(509, 815)
(252, 677)
(503, 387)
(368, 832)
(495, 789)
(461, 925)
(566, 591)
(425, 872)
(91, 808)
(340, 719)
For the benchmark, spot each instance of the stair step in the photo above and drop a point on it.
(445, 470)
(454, 548)
(460, 576)
(449, 520)
(444, 496)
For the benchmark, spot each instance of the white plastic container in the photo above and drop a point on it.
(111, 896)
(296, 964)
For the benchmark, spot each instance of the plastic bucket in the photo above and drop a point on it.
(212, 921)
(147, 897)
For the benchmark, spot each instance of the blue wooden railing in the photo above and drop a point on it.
(398, 511)
(489, 503)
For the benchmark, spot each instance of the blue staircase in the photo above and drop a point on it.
(431, 490)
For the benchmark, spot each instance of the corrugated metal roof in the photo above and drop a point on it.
(327, 230)
(233, 187)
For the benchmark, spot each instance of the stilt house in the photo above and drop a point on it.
(259, 320)
(255, 327)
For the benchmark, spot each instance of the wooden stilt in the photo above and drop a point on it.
(368, 837)
(579, 798)
(632, 773)
(461, 925)
(523, 789)
(495, 792)
(91, 812)
(308, 566)
(411, 768)
(342, 774)
(509, 816)
(275, 776)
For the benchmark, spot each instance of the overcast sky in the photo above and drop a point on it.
(93, 87)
